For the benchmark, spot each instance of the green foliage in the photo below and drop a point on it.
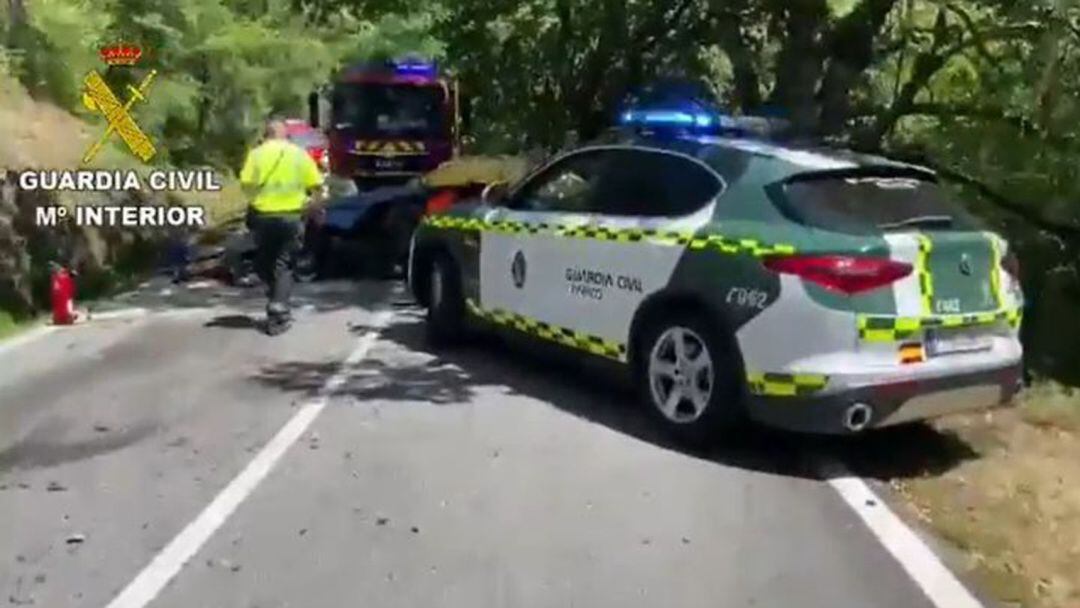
(53, 48)
(9, 325)
(222, 65)
(388, 36)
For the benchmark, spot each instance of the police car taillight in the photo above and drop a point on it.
(841, 273)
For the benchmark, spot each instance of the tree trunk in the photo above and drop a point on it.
(851, 51)
(16, 13)
(729, 33)
(16, 20)
(588, 102)
(800, 63)
(204, 94)
(923, 69)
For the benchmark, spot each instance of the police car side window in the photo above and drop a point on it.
(654, 184)
(568, 185)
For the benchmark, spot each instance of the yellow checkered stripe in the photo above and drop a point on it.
(873, 328)
(922, 268)
(760, 383)
(995, 270)
(455, 223)
(390, 148)
(545, 331)
(618, 235)
(785, 385)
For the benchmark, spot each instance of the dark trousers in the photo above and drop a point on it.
(277, 241)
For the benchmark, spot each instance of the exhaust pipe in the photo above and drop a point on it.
(857, 417)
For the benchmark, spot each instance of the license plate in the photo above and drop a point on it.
(948, 343)
(388, 164)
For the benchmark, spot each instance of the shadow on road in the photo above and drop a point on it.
(233, 322)
(42, 446)
(447, 377)
(160, 294)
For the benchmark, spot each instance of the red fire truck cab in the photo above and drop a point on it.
(388, 122)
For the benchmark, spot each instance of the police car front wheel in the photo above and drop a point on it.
(687, 377)
(445, 314)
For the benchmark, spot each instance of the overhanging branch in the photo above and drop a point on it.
(1022, 124)
(992, 195)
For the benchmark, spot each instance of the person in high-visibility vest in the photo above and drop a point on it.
(280, 177)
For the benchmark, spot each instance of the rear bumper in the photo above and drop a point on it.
(890, 402)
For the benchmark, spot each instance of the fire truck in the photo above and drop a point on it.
(388, 122)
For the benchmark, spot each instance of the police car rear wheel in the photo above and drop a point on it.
(687, 377)
(680, 374)
(445, 306)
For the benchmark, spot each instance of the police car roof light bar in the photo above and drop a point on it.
(689, 119)
(415, 67)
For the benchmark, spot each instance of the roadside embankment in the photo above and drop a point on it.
(1001, 487)
(36, 135)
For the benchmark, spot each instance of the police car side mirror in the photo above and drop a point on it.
(496, 194)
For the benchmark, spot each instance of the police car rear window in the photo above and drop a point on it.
(861, 203)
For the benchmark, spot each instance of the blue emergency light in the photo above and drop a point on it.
(688, 119)
(415, 67)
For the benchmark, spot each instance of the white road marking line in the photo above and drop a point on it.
(139, 312)
(166, 564)
(120, 313)
(919, 561)
(89, 316)
(26, 336)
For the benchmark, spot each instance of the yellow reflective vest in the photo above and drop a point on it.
(281, 173)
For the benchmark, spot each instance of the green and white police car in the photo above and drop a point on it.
(808, 289)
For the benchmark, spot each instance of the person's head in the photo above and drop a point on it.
(274, 129)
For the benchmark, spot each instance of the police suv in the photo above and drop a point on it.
(809, 289)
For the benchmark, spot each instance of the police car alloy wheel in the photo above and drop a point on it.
(680, 373)
(687, 377)
(445, 307)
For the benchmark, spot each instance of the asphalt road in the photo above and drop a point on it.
(474, 478)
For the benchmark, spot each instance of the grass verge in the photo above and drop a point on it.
(11, 327)
(8, 325)
(1013, 511)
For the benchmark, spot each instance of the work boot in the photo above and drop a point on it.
(278, 318)
(276, 327)
(278, 310)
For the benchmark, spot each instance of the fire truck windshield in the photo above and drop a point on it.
(387, 110)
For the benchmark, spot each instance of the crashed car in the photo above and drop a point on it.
(237, 259)
(368, 232)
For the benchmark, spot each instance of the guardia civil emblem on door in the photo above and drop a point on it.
(517, 270)
(965, 265)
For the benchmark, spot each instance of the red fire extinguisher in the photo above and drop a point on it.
(62, 292)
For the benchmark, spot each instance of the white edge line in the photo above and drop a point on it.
(89, 317)
(138, 313)
(120, 313)
(24, 337)
(168, 562)
(920, 562)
